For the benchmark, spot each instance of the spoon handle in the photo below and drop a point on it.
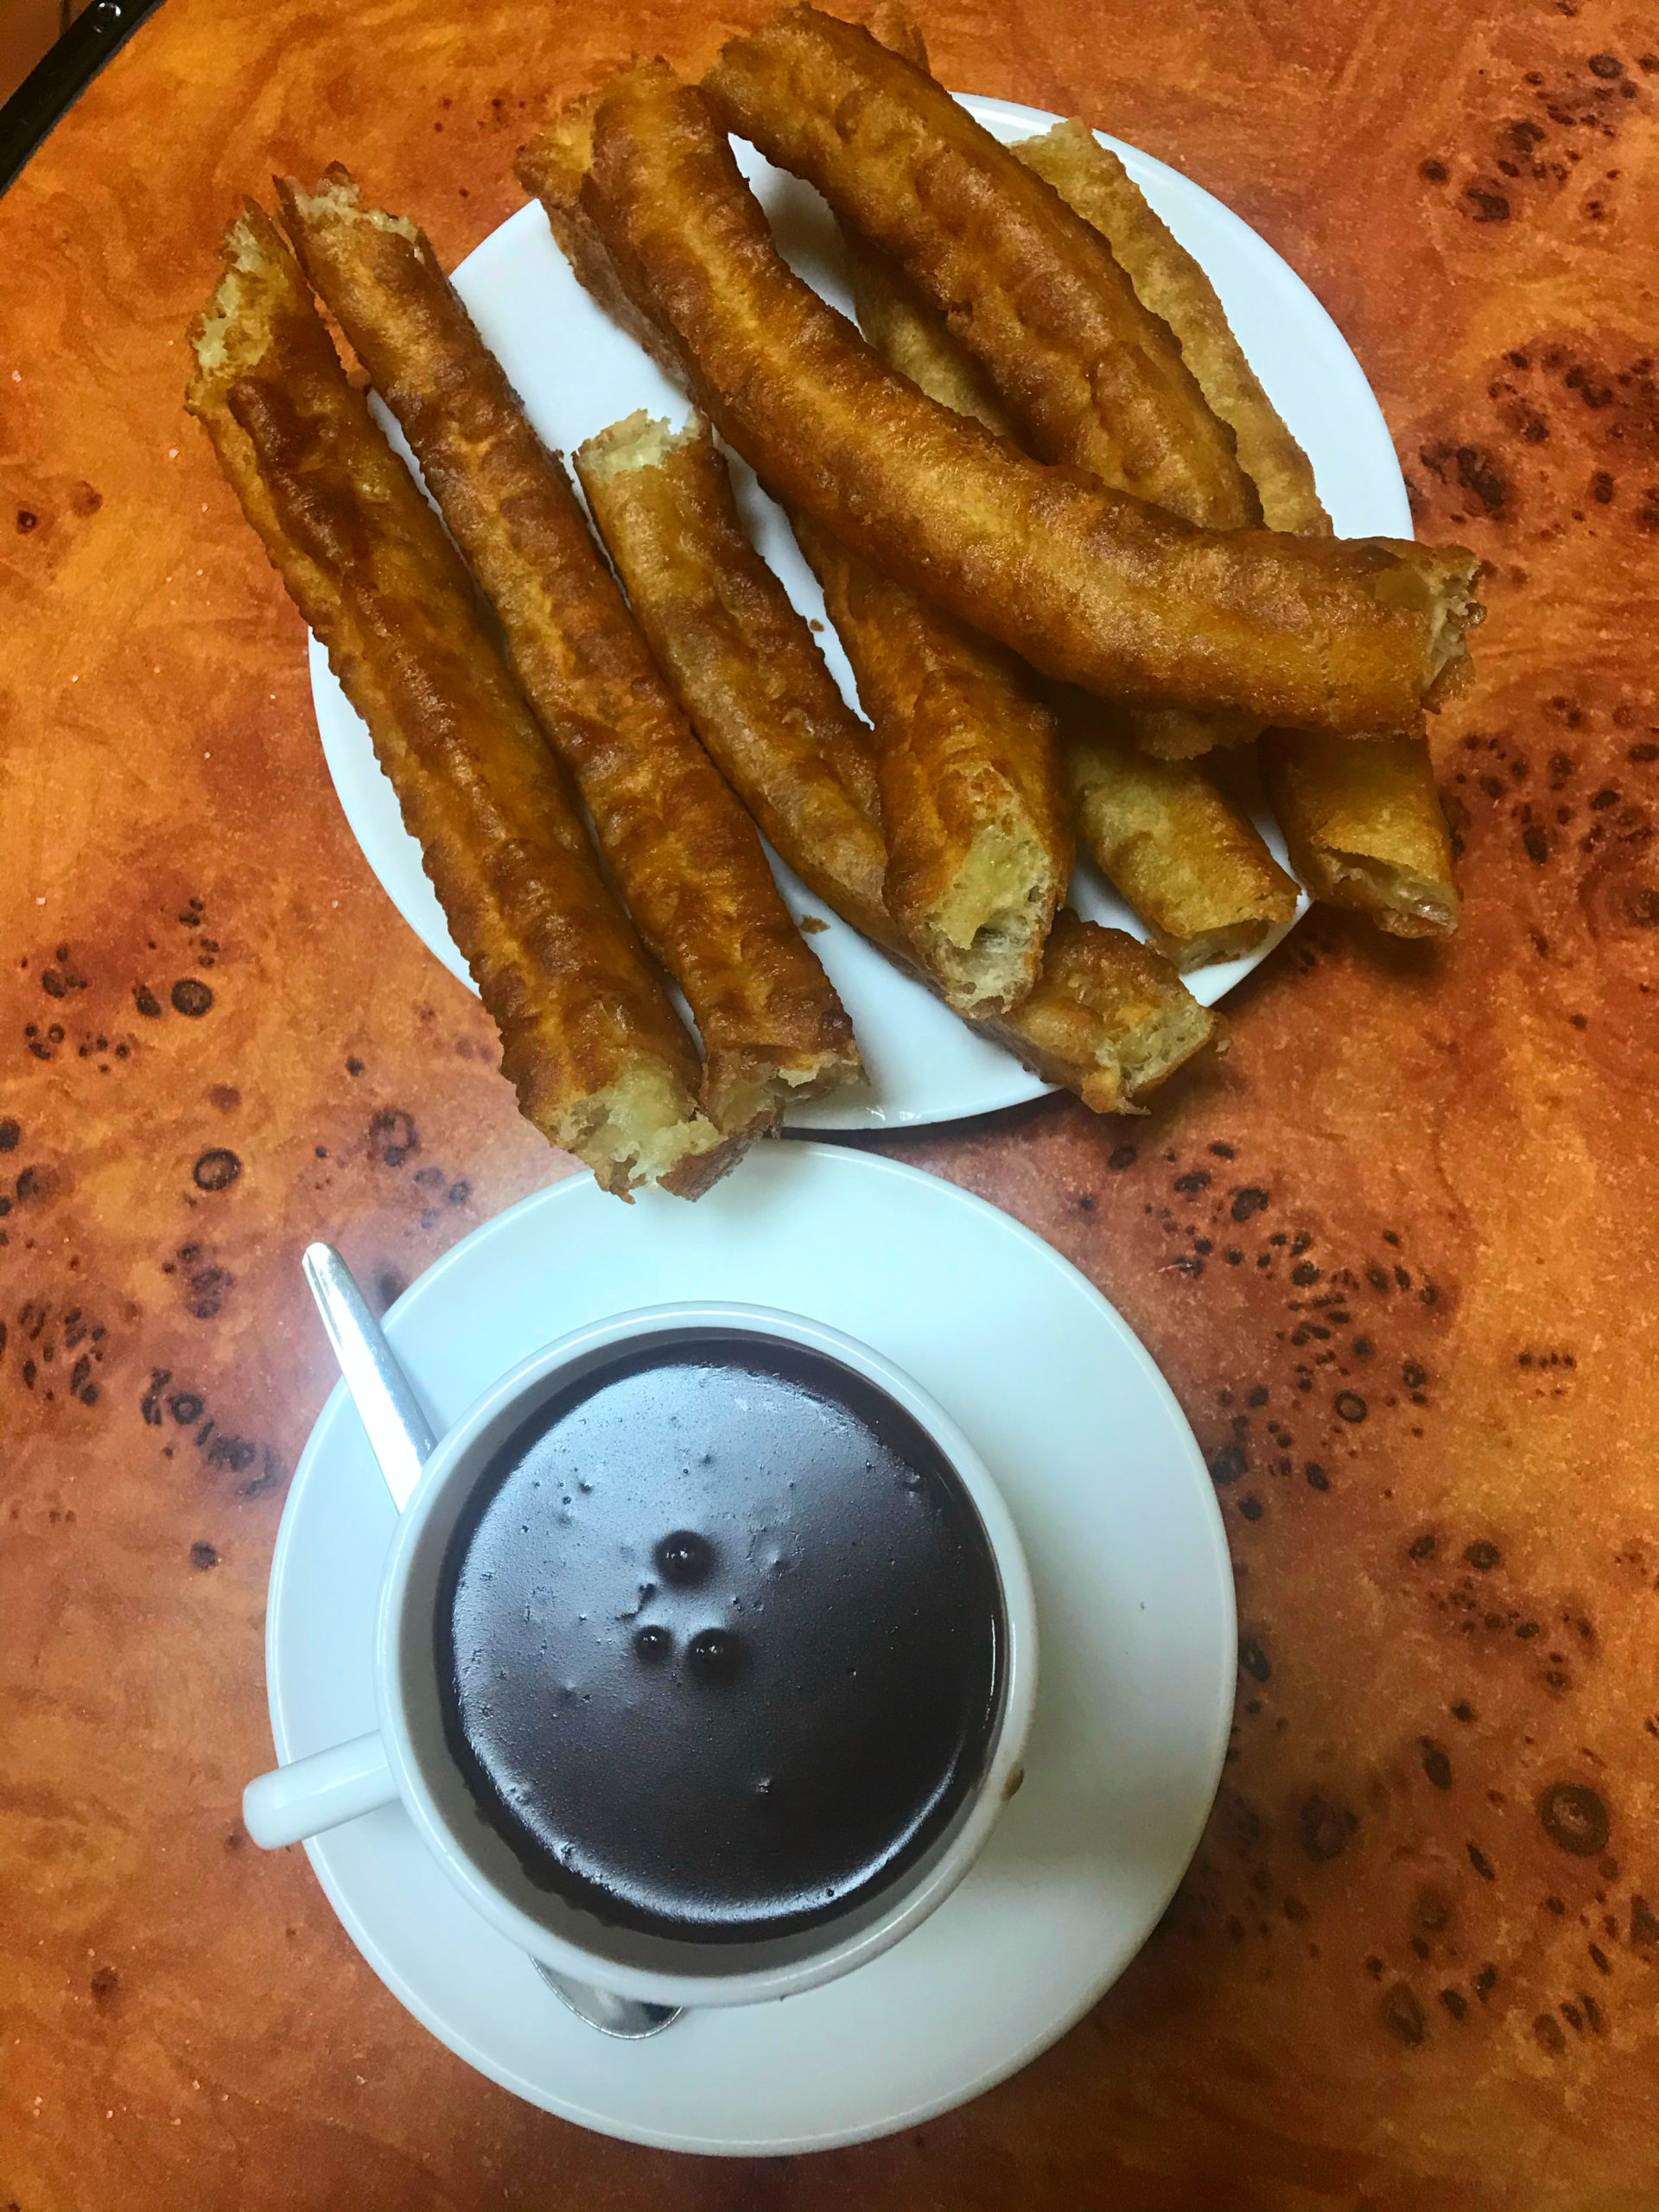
(400, 1435)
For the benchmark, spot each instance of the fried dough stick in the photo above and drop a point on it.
(741, 662)
(1174, 846)
(1162, 831)
(1369, 833)
(904, 330)
(1366, 832)
(912, 335)
(979, 846)
(683, 852)
(1089, 376)
(1184, 857)
(1363, 823)
(1089, 584)
(1108, 1019)
(804, 764)
(901, 326)
(979, 837)
(967, 753)
(941, 697)
(911, 338)
(1169, 283)
(601, 1064)
(1172, 843)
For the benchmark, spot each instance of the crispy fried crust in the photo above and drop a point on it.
(1087, 583)
(953, 713)
(978, 828)
(908, 334)
(601, 1062)
(683, 851)
(1173, 846)
(1363, 823)
(740, 659)
(1172, 842)
(1092, 180)
(1094, 183)
(911, 338)
(551, 167)
(1188, 861)
(1365, 827)
(1365, 833)
(1108, 1019)
(1090, 375)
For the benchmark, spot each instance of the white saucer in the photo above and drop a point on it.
(576, 372)
(1134, 1600)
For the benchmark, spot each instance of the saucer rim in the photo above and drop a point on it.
(1215, 1564)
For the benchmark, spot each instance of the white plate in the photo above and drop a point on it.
(575, 372)
(1134, 1600)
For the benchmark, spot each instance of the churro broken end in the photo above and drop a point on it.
(747, 1093)
(1110, 1018)
(1399, 902)
(635, 1134)
(1204, 950)
(638, 440)
(984, 939)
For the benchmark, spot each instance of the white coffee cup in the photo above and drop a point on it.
(407, 1759)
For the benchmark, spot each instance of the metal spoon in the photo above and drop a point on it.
(401, 1438)
(629, 2018)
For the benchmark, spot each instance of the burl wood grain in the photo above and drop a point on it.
(1397, 1252)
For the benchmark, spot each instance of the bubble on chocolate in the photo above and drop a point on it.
(684, 1558)
(715, 1655)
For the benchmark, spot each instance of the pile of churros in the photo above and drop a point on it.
(1078, 563)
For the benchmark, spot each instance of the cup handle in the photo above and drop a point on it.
(309, 1795)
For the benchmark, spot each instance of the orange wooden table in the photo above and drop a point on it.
(1397, 1251)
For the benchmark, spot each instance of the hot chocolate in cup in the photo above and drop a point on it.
(705, 1660)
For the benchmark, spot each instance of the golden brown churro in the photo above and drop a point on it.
(741, 660)
(911, 338)
(912, 335)
(601, 1064)
(1108, 1019)
(685, 855)
(1365, 827)
(901, 326)
(1035, 295)
(979, 835)
(1367, 834)
(1171, 843)
(1087, 583)
(1162, 832)
(979, 841)
(1363, 823)
(1169, 283)
(908, 334)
